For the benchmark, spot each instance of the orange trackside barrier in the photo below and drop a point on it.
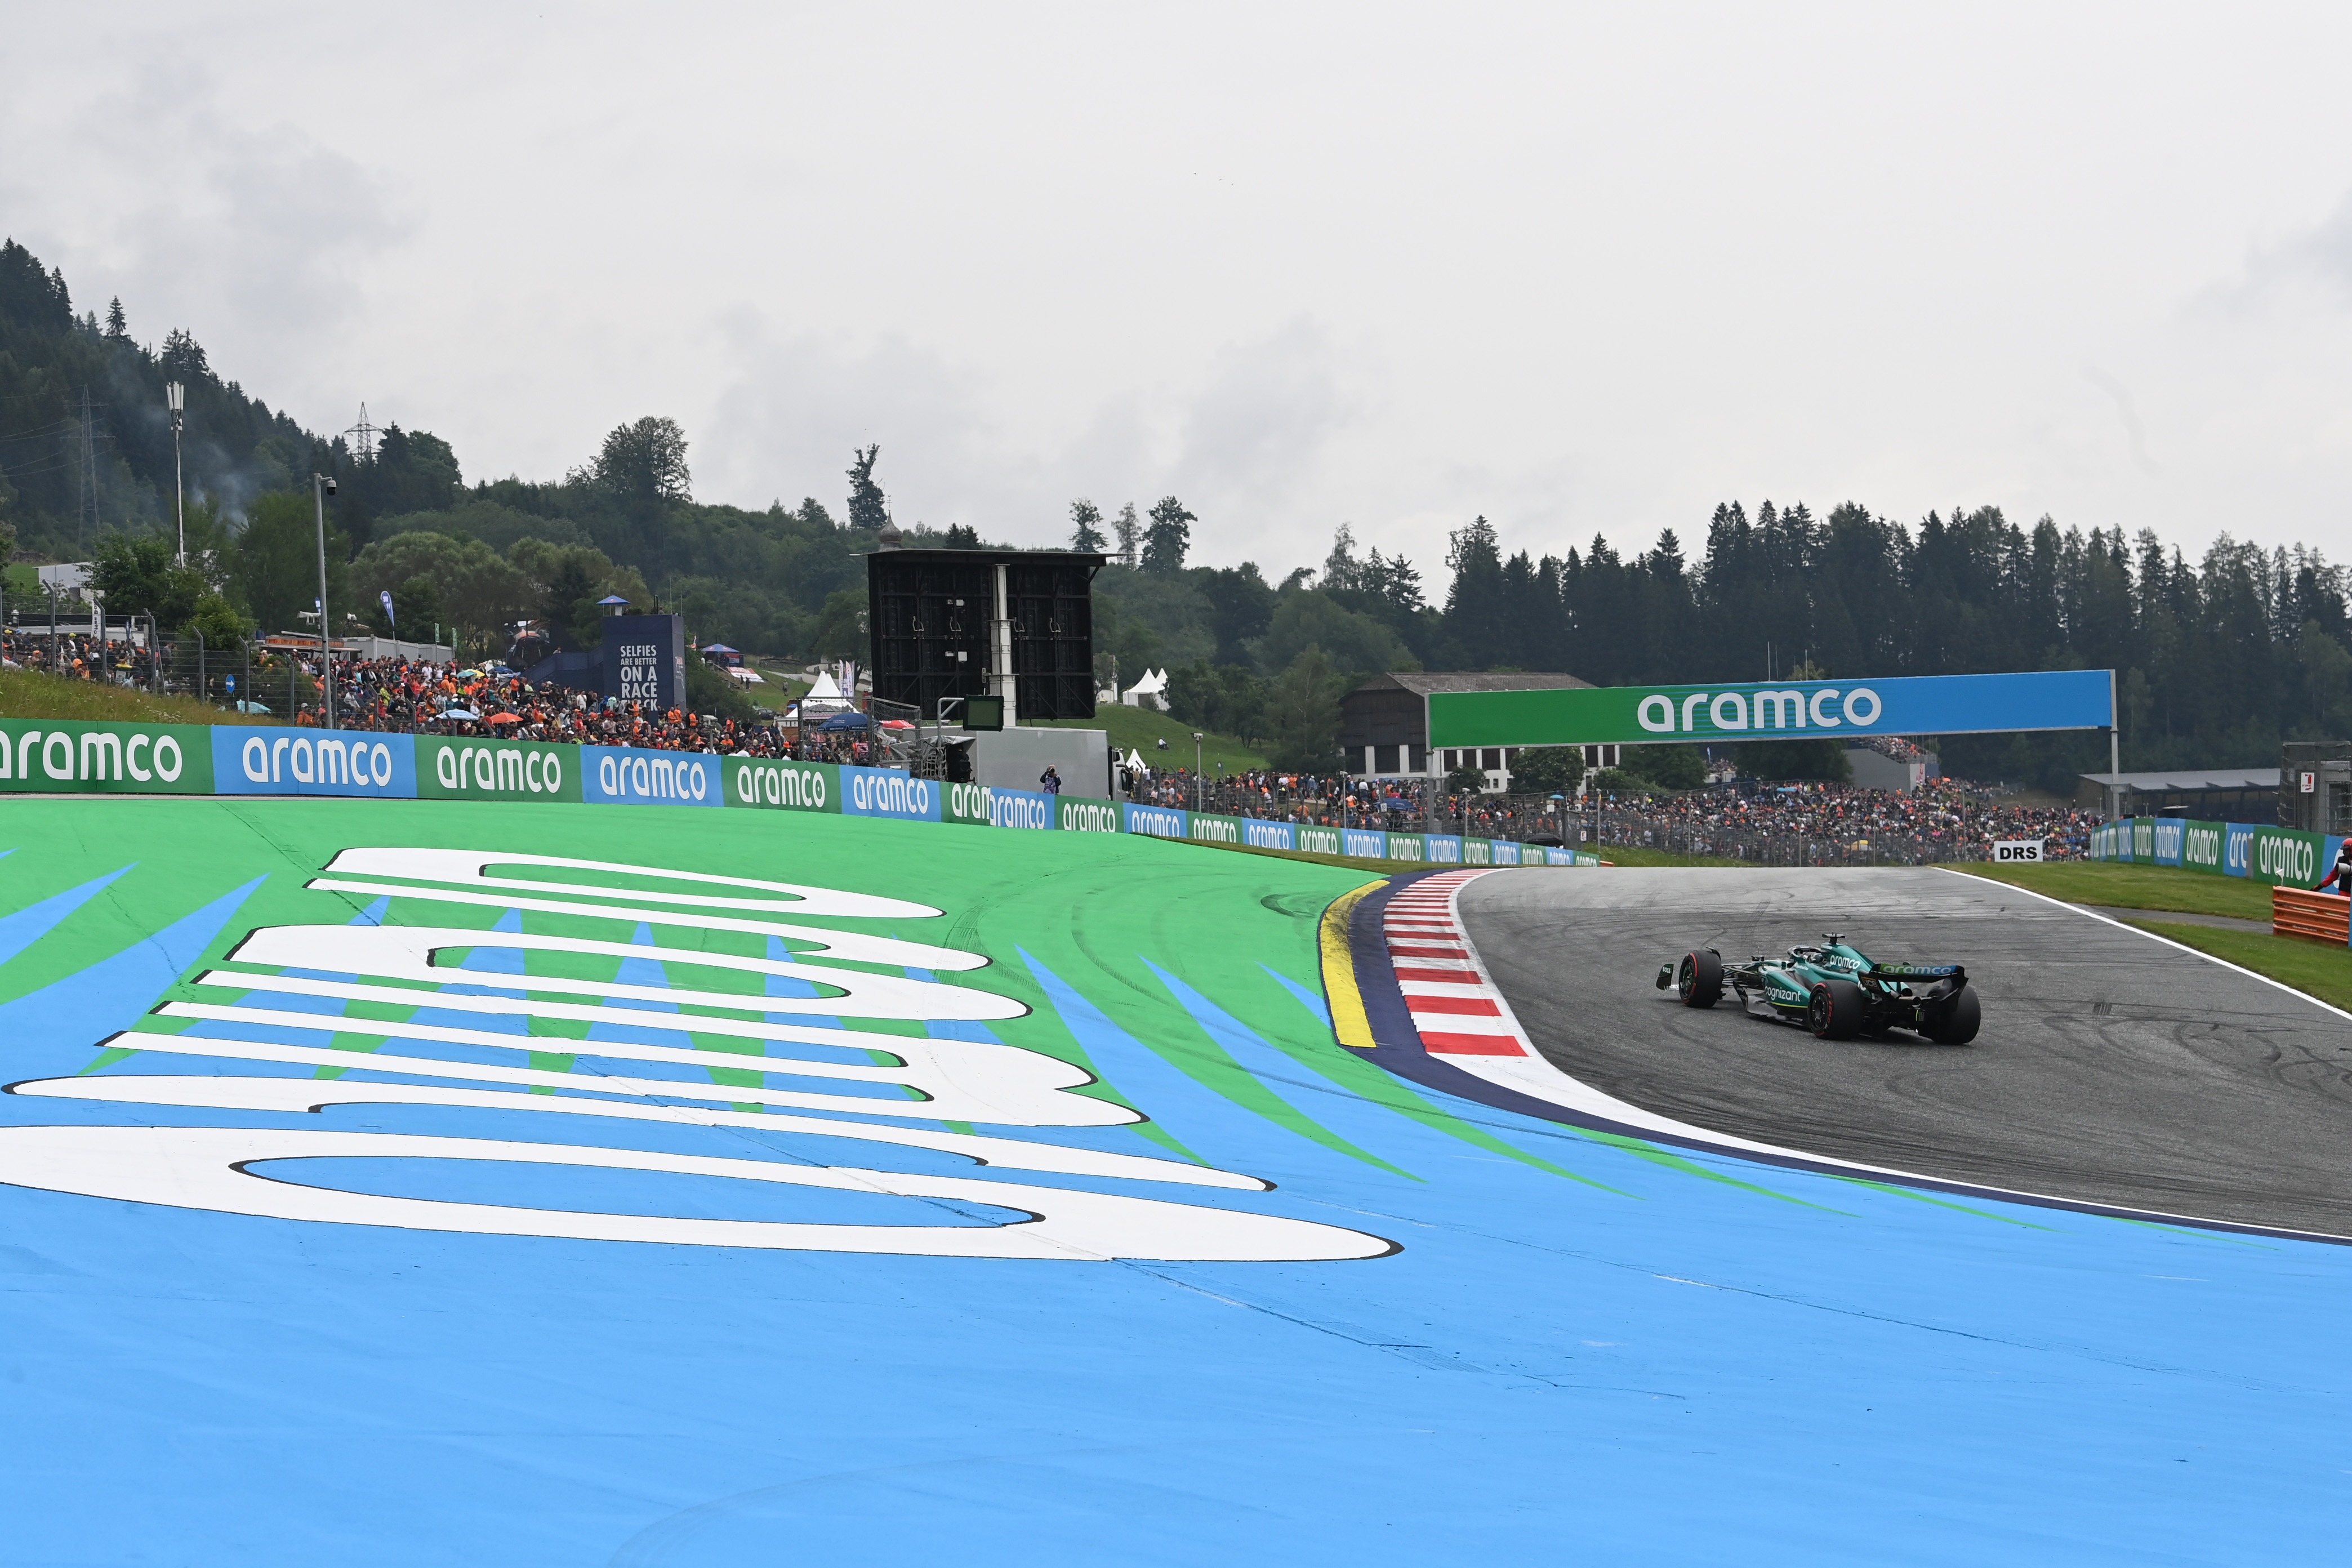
(2294, 912)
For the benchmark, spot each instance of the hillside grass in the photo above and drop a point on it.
(2315, 968)
(30, 694)
(1141, 728)
(2134, 887)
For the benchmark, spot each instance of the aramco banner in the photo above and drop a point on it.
(1775, 711)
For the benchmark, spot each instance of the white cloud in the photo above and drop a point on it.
(1578, 269)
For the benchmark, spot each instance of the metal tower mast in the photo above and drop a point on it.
(363, 436)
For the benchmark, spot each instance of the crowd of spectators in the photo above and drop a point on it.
(1945, 819)
(1815, 824)
(418, 696)
(77, 656)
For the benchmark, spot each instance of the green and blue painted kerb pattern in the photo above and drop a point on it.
(1586, 1348)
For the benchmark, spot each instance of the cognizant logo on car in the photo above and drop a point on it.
(1823, 708)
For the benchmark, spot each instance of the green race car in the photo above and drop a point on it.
(1835, 990)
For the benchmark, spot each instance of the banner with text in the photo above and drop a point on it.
(630, 776)
(58, 756)
(774, 785)
(450, 768)
(249, 760)
(1900, 705)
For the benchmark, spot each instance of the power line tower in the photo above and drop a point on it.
(86, 513)
(364, 436)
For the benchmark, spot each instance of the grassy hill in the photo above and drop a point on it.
(1141, 728)
(30, 694)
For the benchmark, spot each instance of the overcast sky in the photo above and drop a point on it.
(1578, 269)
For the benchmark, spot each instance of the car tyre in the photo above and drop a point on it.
(1836, 1010)
(1698, 978)
(1956, 1023)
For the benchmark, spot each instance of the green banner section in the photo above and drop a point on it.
(60, 756)
(1750, 710)
(451, 768)
(1321, 840)
(1404, 847)
(965, 802)
(781, 785)
(2289, 857)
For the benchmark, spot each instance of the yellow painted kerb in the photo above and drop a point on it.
(1347, 1019)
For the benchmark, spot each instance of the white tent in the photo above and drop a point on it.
(824, 691)
(1152, 691)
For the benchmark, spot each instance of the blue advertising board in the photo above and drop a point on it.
(632, 775)
(1260, 834)
(287, 760)
(888, 791)
(1158, 821)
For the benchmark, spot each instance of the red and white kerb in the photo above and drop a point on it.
(1455, 1007)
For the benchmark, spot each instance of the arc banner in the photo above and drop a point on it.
(1776, 711)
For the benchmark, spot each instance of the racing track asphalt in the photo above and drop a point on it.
(2111, 1067)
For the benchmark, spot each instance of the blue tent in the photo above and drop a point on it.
(844, 721)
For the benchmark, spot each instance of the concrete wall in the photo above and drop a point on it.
(1875, 770)
(1011, 759)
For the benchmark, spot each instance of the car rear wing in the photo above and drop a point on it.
(1918, 972)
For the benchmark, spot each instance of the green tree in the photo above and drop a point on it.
(1547, 770)
(959, 536)
(1085, 527)
(135, 573)
(644, 462)
(1228, 699)
(1168, 537)
(1129, 529)
(481, 593)
(709, 690)
(868, 509)
(1241, 603)
(1354, 643)
(419, 614)
(1474, 609)
(841, 626)
(1303, 713)
(224, 630)
(273, 575)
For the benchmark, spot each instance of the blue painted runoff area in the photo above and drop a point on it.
(1674, 1359)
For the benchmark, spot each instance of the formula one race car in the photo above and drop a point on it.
(1835, 991)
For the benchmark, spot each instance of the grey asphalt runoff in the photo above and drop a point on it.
(2111, 1068)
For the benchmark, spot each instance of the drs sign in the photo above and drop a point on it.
(2009, 850)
